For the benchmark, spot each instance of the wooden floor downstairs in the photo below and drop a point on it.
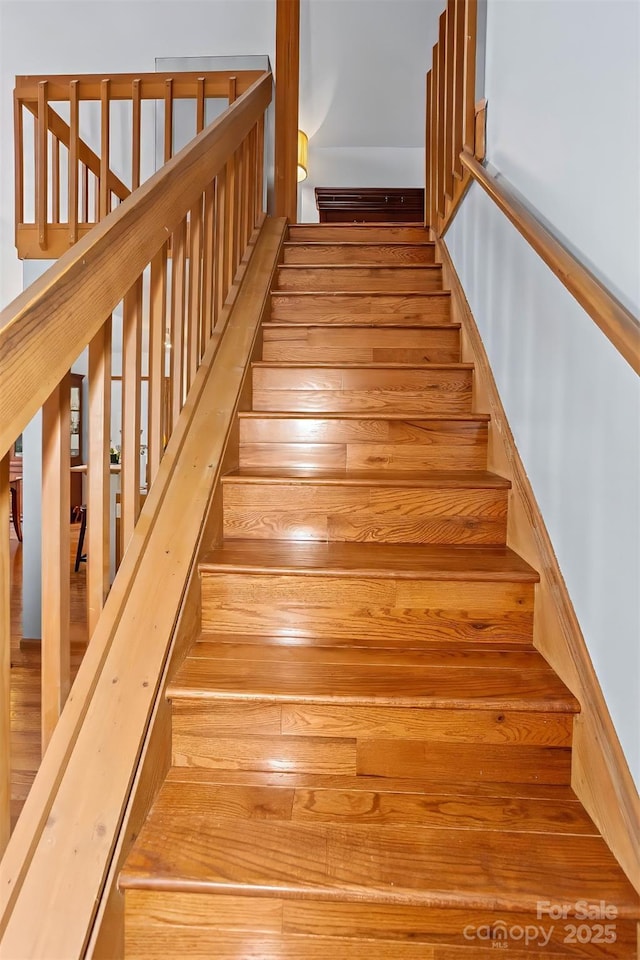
(370, 758)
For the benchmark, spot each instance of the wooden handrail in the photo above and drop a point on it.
(201, 210)
(616, 322)
(60, 210)
(65, 847)
(45, 328)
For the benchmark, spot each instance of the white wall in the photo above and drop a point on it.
(561, 84)
(362, 68)
(362, 85)
(92, 36)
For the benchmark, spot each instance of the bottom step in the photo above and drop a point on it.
(222, 864)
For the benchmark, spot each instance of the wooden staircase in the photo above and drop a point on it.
(371, 760)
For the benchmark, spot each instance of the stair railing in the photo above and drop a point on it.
(164, 261)
(63, 186)
(455, 149)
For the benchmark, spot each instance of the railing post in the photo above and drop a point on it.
(287, 82)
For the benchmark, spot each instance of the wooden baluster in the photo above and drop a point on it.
(470, 29)
(200, 105)
(84, 193)
(194, 305)
(56, 463)
(230, 217)
(435, 117)
(42, 165)
(135, 134)
(427, 153)
(448, 118)
(442, 76)
(74, 147)
(157, 353)
(260, 170)
(458, 89)
(104, 204)
(249, 161)
(99, 532)
(221, 250)
(18, 148)
(131, 423)
(178, 280)
(244, 197)
(5, 660)
(168, 120)
(55, 180)
(209, 301)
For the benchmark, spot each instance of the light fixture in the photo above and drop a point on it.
(303, 146)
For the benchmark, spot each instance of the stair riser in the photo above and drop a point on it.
(375, 309)
(367, 444)
(360, 345)
(356, 513)
(349, 756)
(380, 253)
(220, 718)
(365, 279)
(259, 928)
(334, 390)
(377, 611)
(354, 233)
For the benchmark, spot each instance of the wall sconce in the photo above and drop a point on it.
(303, 149)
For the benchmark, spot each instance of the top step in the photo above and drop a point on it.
(338, 233)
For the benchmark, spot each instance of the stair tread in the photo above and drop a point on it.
(361, 325)
(360, 243)
(360, 266)
(321, 675)
(468, 479)
(364, 415)
(180, 848)
(437, 805)
(550, 792)
(397, 561)
(358, 365)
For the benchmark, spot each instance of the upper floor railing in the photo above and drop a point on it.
(71, 133)
(142, 296)
(455, 149)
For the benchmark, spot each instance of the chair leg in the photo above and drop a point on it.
(80, 556)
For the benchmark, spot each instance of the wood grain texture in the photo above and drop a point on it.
(365, 279)
(362, 344)
(359, 252)
(313, 509)
(356, 233)
(395, 863)
(44, 330)
(419, 389)
(287, 51)
(385, 308)
(363, 443)
(116, 738)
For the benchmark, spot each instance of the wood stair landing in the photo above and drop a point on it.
(370, 759)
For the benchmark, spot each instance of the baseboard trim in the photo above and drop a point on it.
(600, 775)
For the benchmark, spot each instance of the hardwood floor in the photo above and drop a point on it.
(25, 672)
